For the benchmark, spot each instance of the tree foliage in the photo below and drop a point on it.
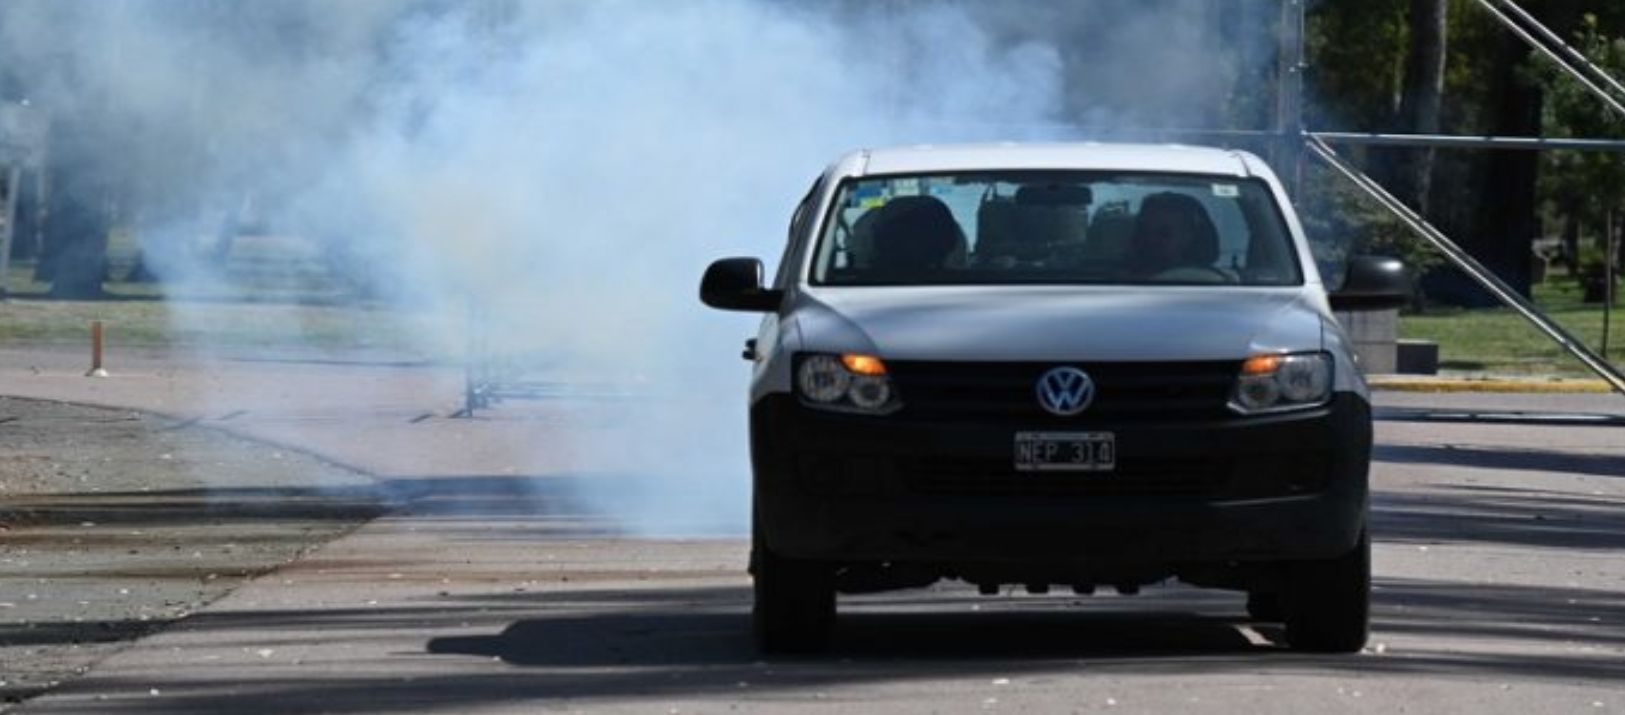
(1359, 50)
(1583, 187)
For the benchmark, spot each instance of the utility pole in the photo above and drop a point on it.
(1290, 65)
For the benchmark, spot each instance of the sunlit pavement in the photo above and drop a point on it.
(1500, 586)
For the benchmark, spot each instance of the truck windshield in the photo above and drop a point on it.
(995, 228)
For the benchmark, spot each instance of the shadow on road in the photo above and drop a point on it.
(1519, 517)
(1603, 465)
(694, 642)
(678, 637)
(1500, 417)
(194, 506)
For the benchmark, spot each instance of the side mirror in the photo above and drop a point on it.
(736, 284)
(1372, 283)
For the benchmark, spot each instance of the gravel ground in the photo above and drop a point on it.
(114, 523)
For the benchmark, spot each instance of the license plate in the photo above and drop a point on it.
(1065, 452)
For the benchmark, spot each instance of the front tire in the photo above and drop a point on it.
(1328, 605)
(795, 603)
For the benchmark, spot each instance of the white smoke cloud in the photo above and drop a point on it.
(569, 167)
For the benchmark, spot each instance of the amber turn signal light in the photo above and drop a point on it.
(860, 364)
(1261, 365)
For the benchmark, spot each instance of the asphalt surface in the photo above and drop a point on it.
(1499, 582)
(115, 523)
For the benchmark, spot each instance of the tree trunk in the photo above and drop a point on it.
(1502, 236)
(75, 259)
(26, 241)
(1421, 98)
(74, 251)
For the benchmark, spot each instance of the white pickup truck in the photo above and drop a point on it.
(1076, 365)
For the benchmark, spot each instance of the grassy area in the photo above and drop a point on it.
(154, 323)
(20, 283)
(1497, 340)
(137, 315)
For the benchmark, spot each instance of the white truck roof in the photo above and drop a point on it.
(1089, 156)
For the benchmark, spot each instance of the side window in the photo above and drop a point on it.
(800, 221)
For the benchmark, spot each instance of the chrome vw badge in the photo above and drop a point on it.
(1065, 391)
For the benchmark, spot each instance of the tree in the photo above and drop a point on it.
(1365, 75)
(1356, 54)
(76, 226)
(1585, 191)
(1506, 223)
(1503, 230)
(1420, 101)
(78, 198)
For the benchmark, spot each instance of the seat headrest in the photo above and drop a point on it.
(914, 233)
(1183, 210)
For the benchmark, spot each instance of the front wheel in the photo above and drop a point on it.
(1328, 604)
(795, 603)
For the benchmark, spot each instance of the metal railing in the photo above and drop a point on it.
(1469, 265)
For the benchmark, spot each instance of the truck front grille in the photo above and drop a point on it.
(1125, 392)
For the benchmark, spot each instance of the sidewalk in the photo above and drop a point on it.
(1489, 383)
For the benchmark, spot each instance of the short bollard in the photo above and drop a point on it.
(97, 335)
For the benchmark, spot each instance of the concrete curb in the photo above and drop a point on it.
(1434, 383)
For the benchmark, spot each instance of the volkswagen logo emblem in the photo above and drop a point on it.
(1065, 391)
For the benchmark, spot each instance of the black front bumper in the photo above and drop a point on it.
(863, 489)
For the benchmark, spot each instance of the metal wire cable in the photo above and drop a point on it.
(1518, 30)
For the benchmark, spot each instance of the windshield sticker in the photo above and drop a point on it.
(1226, 191)
(906, 187)
(868, 196)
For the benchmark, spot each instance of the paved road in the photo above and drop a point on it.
(114, 524)
(1499, 588)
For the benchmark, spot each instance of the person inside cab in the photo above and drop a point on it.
(1175, 240)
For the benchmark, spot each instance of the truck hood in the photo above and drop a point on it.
(1048, 323)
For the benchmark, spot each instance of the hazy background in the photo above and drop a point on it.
(569, 167)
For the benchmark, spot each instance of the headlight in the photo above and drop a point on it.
(852, 382)
(822, 379)
(1275, 383)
